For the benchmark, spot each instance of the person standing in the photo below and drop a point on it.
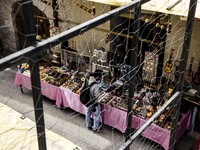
(94, 109)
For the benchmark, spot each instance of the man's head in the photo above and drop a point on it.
(97, 74)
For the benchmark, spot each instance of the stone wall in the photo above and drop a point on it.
(72, 15)
(7, 33)
(7, 30)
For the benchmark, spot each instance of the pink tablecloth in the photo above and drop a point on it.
(110, 116)
(48, 90)
(162, 136)
(71, 100)
(116, 118)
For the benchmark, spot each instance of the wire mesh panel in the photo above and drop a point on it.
(143, 49)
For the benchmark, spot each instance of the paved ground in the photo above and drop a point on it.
(70, 124)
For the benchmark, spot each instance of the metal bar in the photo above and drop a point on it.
(55, 12)
(149, 122)
(182, 68)
(29, 24)
(38, 105)
(161, 54)
(41, 17)
(173, 5)
(57, 39)
(134, 52)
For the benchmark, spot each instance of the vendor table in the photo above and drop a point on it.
(111, 116)
(71, 100)
(48, 90)
(116, 118)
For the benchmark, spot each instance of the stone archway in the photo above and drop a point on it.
(41, 24)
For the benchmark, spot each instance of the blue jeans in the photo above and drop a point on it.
(96, 116)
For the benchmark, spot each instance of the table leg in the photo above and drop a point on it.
(102, 113)
(21, 89)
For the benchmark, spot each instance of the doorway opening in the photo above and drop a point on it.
(42, 24)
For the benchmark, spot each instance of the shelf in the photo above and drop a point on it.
(56, 50)
(56, 62)
(75, 53)
(56, 56)
(190, 100)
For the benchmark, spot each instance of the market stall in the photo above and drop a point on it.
(64, 86)
(116, 118)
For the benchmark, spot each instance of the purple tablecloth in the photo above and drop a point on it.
(48, 90)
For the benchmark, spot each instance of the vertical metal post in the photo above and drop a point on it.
(38, 105)
(182, 68)
(133, 62)
(161, 53)
(27, 9)
(55, 12)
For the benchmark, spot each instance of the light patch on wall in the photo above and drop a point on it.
(183, 18)
(180, 8)
(7, 23)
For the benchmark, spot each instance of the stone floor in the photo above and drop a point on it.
(71, 125)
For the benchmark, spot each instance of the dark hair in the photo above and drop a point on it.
(97, 73)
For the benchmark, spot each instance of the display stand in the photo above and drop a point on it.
(55, 56)
(73, 59)
(55, 53)
(150, 67)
